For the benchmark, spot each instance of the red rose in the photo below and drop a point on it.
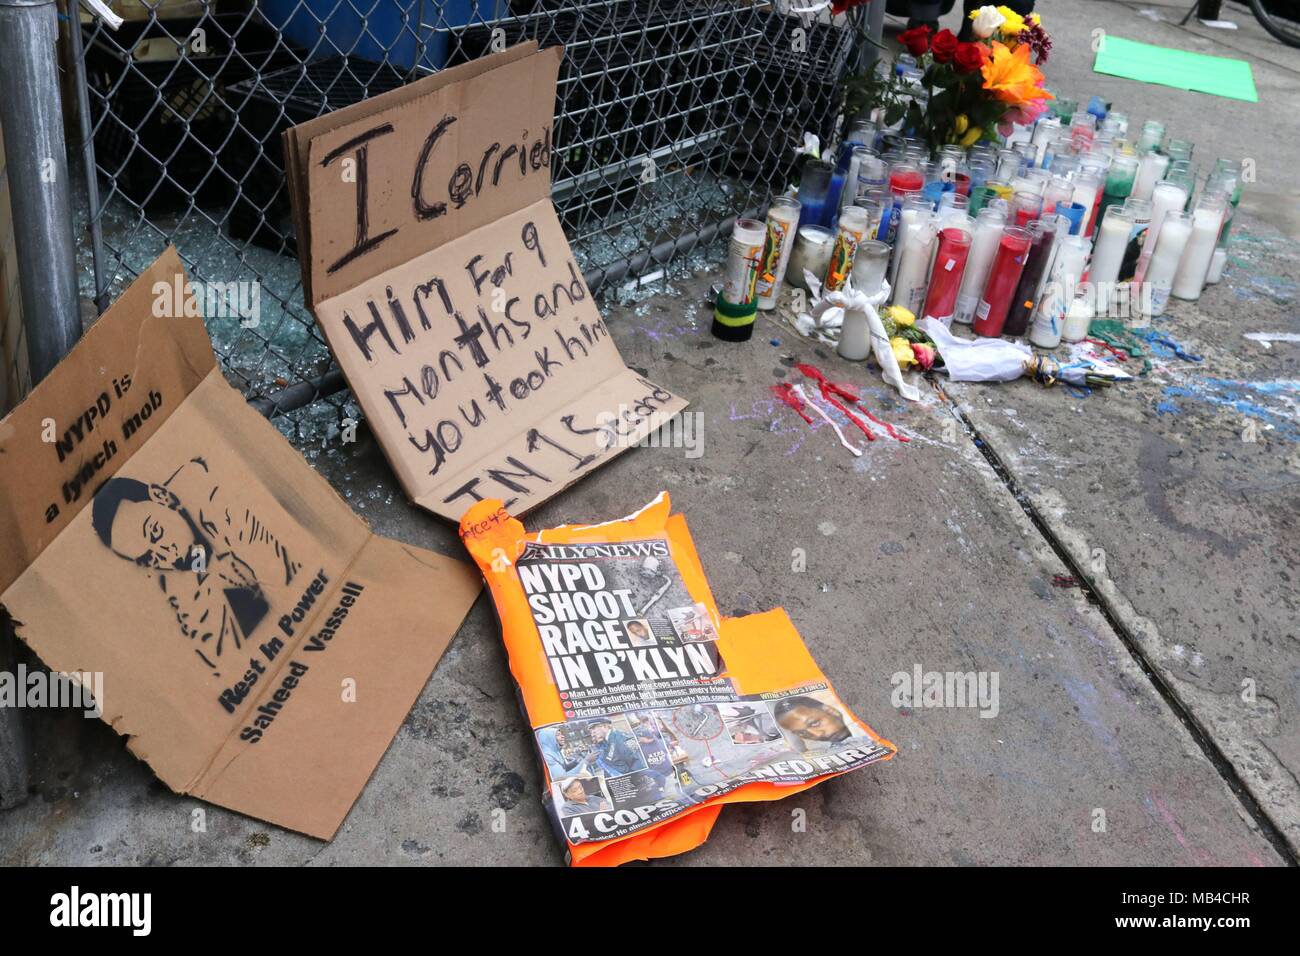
(944, 45)
(916, 40)
(969, 57)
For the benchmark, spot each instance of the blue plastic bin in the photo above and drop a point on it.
(329, 27)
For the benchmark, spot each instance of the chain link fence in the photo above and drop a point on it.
(673, 117)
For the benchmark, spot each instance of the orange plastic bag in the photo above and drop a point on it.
(649, 710)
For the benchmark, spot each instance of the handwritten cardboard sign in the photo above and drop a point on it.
(258, 644)
(437, 268)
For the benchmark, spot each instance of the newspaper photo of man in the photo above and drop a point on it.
(658, 758)
(616, 751)
(581, 795)
(562, 759)
(813, 722)
(638, 633)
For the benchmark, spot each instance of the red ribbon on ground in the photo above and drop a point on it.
(784, 393)
(831, 389)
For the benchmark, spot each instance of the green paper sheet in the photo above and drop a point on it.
(1199, 72)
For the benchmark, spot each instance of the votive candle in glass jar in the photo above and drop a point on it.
(984, 246)
(782, 224)
(1004, 276)
(1171, 243)
(851, 231)
(1194, 266)
(945, 277)
(869, 266)
(811, 253)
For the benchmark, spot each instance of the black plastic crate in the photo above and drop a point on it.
(253, 160)
(159, 104)
(634, 84)
(786, 95)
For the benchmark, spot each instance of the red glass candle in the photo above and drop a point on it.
(1004, 276)
(946, 275)
(905, 179)
(1096, 211)
(1027, 207)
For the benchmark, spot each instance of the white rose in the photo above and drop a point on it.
(986, 21)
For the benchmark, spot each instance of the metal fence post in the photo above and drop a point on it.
(31, 116)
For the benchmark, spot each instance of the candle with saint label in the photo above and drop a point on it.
(852, 228)
(1059, 292)
(782, 224)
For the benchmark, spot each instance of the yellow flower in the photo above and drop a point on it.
(972, 136)
(900, 315)
(1010, 77)
(1012, 22)
(902, 351)
(960, 124)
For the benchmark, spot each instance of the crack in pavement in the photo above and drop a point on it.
(1226, 769)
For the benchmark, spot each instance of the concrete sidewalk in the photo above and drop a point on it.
(1121, 735)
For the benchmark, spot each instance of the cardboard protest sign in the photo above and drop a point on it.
(436, 266)
(258, 644)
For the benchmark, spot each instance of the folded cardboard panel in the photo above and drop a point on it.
(258, 644)
(437, 268)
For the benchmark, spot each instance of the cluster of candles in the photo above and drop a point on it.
(1031, 238)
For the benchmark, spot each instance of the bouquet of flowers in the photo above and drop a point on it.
(968, 90)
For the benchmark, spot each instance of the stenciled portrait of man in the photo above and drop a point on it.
(212, 559)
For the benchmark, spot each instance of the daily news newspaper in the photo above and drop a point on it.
(653, 722)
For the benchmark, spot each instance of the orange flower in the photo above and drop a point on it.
(1010, 77)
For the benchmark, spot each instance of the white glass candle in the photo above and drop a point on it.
(740, 275)
(1194, 266)
(1078, 317)
(1059, 292)
(1059, 191)
(1166, 197)
(1150, 171)
(1086, 187)
(869, 265)
(1219, 260)
(988, 232)
(811, 253)
(915, 208)
(1170, 245)
(914, 264)
(1043, 130)
(855, 336)
(782, 224)
(1112, 240)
